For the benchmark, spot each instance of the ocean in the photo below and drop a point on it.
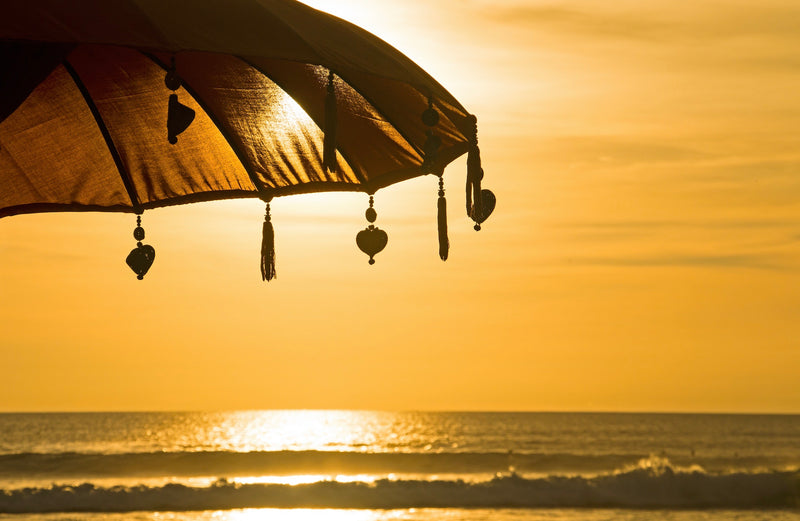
(405, 466)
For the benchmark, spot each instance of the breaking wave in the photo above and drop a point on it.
(221, 463)
(648, 485)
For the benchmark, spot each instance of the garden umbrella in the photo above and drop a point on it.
(128, 105)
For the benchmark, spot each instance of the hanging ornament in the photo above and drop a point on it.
(142, 256)
(329, 138)
(179, 116)
(372, 239)
(444, 242)
(488, 202)
(268, 248)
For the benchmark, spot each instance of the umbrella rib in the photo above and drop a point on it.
(261, 188)
(123, 173)
(359, 175)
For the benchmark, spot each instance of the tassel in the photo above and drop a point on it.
(474, 176)
(469, 192)
(329, 140)
(268, 249)
(444, 242)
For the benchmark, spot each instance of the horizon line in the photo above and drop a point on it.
(402, 411)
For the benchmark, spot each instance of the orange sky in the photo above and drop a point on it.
(644, 254)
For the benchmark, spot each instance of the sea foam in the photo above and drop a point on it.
(643, 486)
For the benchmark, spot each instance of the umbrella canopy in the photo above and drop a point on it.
(127, 105)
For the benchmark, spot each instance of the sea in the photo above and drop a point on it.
(401, 466)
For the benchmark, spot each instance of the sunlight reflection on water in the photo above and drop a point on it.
(300, 514)
(298, 430)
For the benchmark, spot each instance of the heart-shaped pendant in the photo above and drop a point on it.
(179, 117)
(371, 241)
(140, 259)
(488, 202)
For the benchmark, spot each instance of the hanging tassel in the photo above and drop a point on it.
(329, 140)
(474, 176)
(268, 249)
(444, 242)
(469, 192)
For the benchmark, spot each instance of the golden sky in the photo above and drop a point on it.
(644, 254)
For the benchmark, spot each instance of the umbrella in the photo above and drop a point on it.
(129, 105)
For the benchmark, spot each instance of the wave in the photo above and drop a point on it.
(156, 464)
(646, 486)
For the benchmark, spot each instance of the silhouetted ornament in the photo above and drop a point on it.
(142, 256)
(371, 241)
(488, 202)
(179, 117)
(140, 259)
(172, 80)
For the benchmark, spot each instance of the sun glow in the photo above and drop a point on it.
(294, 430)
(296, 514)
(287, 105)
(295, 479)
(304, 479)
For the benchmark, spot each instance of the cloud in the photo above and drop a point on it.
(616, 151)
(666, 21)
(575, 21)
(768, 244)
(745, 261)
(747, 164)
(663, 224)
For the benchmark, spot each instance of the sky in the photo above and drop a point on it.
(644, 254)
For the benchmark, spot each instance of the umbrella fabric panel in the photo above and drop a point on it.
(402, 105)
(237, 27)
(277, 141)
(371, 145)
(24, 66)
(51, 154)
(118, 22)
(129, 92)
